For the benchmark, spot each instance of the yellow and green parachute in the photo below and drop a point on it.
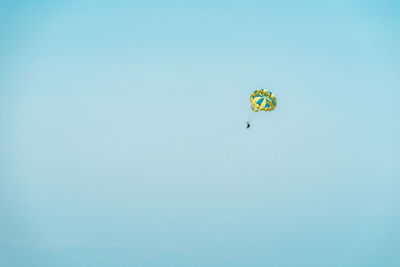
(262, 100)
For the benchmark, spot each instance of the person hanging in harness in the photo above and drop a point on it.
(248, 125)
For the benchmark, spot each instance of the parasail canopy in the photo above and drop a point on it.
(262, 100)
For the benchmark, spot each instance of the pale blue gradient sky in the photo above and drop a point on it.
(122, 137)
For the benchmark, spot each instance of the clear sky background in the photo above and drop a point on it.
(123, 143)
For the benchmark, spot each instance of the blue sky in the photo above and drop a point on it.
(123, 140)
